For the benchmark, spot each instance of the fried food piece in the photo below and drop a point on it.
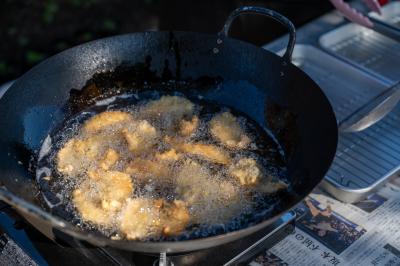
(246, 171)
(145, 168)
(77, 155)
(105, 120)
(140, 219)
(170, 155)
(110, 158)
(114, 187)
(225, 128)
(140, 137)
(210, 199)
(169, 107)
(206, 151)
(88, 208)
(174, 217)
(189, 127)
(98, 198)
(272, 187)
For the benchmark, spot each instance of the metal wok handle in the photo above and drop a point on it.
(269, 13)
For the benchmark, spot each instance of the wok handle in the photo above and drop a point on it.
(269, 13)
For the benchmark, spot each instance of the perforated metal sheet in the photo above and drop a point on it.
(366, 49)
(363, 160)
(346, 87)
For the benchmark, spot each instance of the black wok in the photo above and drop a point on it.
(267, 88)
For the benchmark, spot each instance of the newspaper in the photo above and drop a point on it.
(329, 232)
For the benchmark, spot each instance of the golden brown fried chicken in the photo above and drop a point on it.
(109, 159)
(105, 120)
(140, 136)
(206, 151)
(169, 107)
(140, 219)
(99, 197)
(170, 155)
(77, 155)
(174, 217)
(225, 128)
(188, 127)
(113, 187)
(271, 187)
(145, 168)
(89, 209)
(211, 200)
(246, 171)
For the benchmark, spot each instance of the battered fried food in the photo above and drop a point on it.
(210, 199)
(110, 158)
(225, 128)
(100, 196)
(169, 107)
(77, 155)
(272, 187)
(174, 217)
(246, 171)
(105, 120)
(140, 136)
(114, 187)
(140, 219)
(89, 209)
(206, 151)
(188, 127)
(170, 155)
(145, 168)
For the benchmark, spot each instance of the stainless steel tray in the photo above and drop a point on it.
(372, 52)
(390, 14)
(346, 87)
(364, 160)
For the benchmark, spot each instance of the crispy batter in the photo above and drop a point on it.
(170, 155)
(145, 168)
(105, 120)
(206, 151)
(209, 199)
(140, 219)
(170, 107)
(174, 217)
(225, 128)
(272, 187)
(110, 158)
(247, 171)
(140, 137)
(76, 155)
(188, 127)
(113, 187)
(99, 197)
(88, 208)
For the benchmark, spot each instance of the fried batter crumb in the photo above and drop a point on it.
(141, 137)
(225, 128)
(246, 170)
(189, 127)
(106, 119)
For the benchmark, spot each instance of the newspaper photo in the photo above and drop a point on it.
(330, 232)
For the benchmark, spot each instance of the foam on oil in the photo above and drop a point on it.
(218, 205)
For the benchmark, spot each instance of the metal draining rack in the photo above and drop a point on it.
(364, 160)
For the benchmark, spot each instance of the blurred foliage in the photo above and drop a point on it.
(32, 30)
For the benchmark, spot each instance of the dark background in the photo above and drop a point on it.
(32, 30)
